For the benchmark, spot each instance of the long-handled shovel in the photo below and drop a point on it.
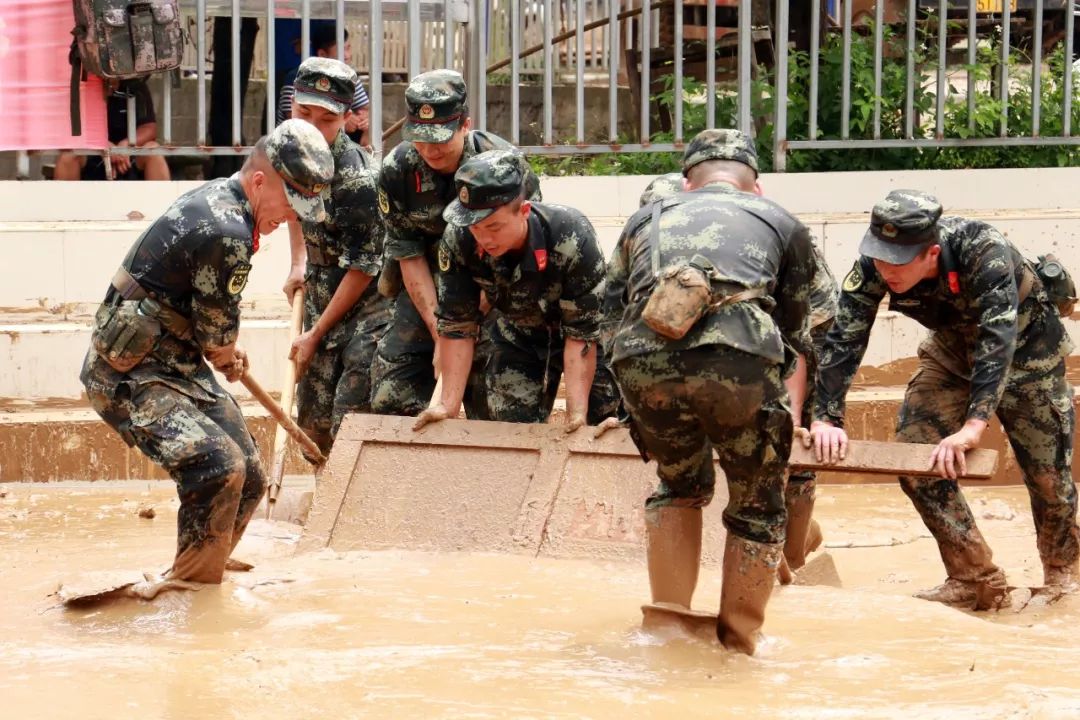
(288, 391)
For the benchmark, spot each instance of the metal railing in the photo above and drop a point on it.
(608, 45)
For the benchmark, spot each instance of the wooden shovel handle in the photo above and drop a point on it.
(284, 420)
(288, 392)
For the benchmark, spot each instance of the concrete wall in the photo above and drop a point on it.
(62, 242)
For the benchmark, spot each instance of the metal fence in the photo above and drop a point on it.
(608, 43)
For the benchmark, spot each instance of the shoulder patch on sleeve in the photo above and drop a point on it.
(384, 202)
(444, 259)
(854, 279)
(239, 279)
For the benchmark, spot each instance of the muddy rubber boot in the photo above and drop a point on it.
(673, 549)
(1067, 577)
(803, 533)
(749, 572)
(973, 577)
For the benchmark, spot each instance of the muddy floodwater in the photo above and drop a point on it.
(415, 635)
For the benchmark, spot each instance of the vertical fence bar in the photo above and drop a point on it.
(132, 128)
(972, 56)
(1006, 22)
(1066, 124)
(515, 71)
(375, 58)
(166, 106)
(271, 68)
(580, 71)
(942, 88)
(780, 131)
(413, 21)
(305, 29)
(234, 50)
(448, 34)
(909, 90)
(845, 93)
(200, 68)
(710, 61)
(815, 48)
(879, 21)
(745, 30)
(339, 28)
(678, 71)
(548, 72)
(613, 71)
(1036, 72)
(646, 60)
(480, 93)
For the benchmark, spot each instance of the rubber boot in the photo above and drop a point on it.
(803, 533)
(673, 548)
(749, 572)
(973, 576)
(1067, 577)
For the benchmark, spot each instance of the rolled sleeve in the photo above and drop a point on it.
(458, 312)
(582, 299)
(219, 275)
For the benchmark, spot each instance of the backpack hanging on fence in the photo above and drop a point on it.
(120, 40)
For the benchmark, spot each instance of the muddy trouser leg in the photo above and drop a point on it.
(475, 400)
(315, 395)
(197, 443)
(935, 407)
(802, 531)
(402, 375)
(1038, 418)
(353, 391)
(515, 382)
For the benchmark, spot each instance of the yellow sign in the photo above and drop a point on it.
(993, 6)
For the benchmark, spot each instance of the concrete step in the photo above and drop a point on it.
(42, 442)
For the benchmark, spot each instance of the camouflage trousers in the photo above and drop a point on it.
(520, 384)
(402, 370)
(686, 404)
(338, 382)
(1037, 416)
(803, 482)
(206, 448)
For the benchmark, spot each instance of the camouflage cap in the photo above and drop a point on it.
(484, 183)
(901, 226)
(662, 187)
(326, 83)
(434, 106)
(719, 144)
(297, 150)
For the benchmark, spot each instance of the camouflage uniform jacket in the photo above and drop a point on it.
(350, 238)
(823, 291)
(557, 283)
(195, 259)
(413, 196)
(983, 334)
(751, 241)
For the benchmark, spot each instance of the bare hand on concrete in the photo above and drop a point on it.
(948, 459)
(575, 421)
(433, 414)
(830, 442)
(606, 424)
(303, 349)
(803, 435)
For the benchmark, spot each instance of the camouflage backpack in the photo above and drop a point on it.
(118, 39)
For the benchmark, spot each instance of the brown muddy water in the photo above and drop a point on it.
(415, 635)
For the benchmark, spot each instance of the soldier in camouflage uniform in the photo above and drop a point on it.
(542, 270)
(996, 344)
(721, 385)
(803, 532)
(416, 185)
(336, 261)
(174, 301)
